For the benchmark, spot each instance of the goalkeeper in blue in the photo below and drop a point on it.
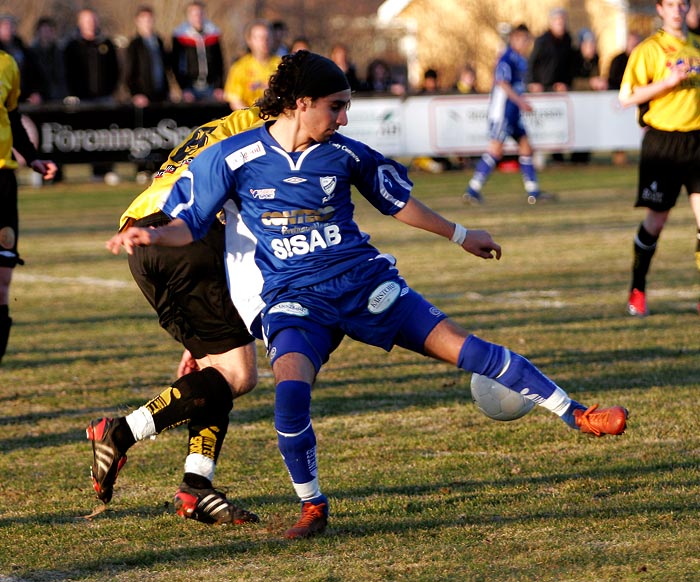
(313, 275)
(506, 106)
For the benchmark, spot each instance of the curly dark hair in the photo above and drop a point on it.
(280, 94)
(301, 74)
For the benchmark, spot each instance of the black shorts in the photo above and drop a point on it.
(669, 160)
(187, 288)
(9, 257)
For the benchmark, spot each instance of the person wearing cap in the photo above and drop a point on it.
(313, 274)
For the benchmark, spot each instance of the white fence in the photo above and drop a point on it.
(457, 124)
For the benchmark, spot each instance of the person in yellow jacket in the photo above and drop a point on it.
(188, 289)
(12, 135)
(248, 77)
(662, 77)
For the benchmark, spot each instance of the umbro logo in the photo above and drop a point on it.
(294, 180)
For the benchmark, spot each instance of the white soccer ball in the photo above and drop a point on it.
(498, 402)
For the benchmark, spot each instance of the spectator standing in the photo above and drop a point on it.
(550, 67)
(300, 43)
(662, 74)
(90, 60)
(340, 55)
(279, 32)
(146, 62)
(92, 73)
(429, 164)
(48, 58)
(586, 76)
(248, 77)
(550, 64)
(13, 44)
(693, 17)
(197, 58)
(12, 135)
(466, 81)
(619, 62)
(380, 80)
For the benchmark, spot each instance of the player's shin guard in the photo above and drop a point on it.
(527, 169)
(201, 394)
(5, 324)
(484, 167)
(295, 436)
(644, 249)
(513, 371)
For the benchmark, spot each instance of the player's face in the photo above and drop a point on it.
(520, 41)
(327, 114)
(672, 13)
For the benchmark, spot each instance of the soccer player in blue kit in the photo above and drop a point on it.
(505, 120)
(313, 276)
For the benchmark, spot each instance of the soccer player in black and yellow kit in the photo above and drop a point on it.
(663, 78)
(188, 289)
(12, 135)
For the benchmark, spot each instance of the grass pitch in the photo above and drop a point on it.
(422, 486)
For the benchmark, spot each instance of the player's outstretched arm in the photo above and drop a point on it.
(477, 242)
(173, 234)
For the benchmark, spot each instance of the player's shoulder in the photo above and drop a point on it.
(349, 147)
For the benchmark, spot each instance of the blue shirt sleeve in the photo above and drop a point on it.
(201, 191)
(382, 181)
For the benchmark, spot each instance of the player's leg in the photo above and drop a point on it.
(484, 168)
(660, 175)
(527, 169)
(695, 205)
(297, 355)
(8, 250)
(645, 241)
(5, 319)
(449, 342)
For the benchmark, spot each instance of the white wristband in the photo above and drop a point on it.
(459, 234)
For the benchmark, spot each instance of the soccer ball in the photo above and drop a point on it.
(498, 402)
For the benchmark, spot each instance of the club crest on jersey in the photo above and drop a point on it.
(290, 308)
(328, 183)
(383, 297)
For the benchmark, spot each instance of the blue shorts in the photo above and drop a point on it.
(371, 303)
(507, 126)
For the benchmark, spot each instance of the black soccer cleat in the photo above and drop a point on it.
(210, 506)
(107, 461)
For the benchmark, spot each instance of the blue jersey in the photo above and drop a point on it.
(504, 115)
(291, 214)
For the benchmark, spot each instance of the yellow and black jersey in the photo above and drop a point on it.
(150, 200)
(649, 62)
(9, 96)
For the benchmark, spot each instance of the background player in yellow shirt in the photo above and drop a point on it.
(248, 77)
(663, 78)
(12, 135)
(187, 287)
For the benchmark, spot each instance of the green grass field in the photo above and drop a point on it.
(422, 486)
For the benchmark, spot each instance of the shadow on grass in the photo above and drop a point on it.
(415, 515)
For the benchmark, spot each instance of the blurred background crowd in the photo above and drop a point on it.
(178, 51)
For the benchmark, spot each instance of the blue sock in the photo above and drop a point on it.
(484, 167)
(517, 373)
(527, 169)
(295, 435)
